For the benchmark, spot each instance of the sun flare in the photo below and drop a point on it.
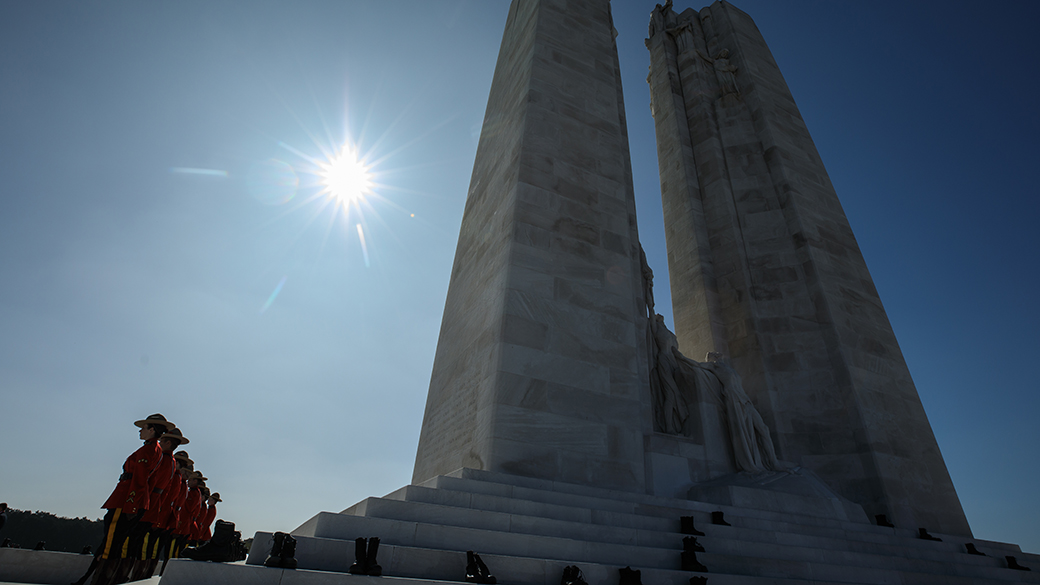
(346, 177)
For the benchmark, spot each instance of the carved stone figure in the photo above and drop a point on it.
(670, 407)
(660, 17)
(648, 282)
(724, 72)
(683, 35)
(752, 445)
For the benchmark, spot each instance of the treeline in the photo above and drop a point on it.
(62, 534)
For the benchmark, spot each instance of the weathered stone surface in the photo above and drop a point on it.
(540, 367)
(765, 269)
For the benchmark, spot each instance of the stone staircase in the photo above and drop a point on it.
(528, 530)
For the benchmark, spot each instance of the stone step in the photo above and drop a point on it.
(646, 505)
(520, 486)
(405, 561)
(779, 530)
(717, 538)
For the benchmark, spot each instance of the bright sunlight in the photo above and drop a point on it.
(346, 177)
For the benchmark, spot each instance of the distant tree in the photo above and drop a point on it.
(61, 534)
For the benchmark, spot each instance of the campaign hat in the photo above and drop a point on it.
(175, 433)
(155, 419)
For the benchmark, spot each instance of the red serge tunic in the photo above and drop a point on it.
(162, 481)
(190, 512)
(176, 506)
(206, 522)
(132, 492)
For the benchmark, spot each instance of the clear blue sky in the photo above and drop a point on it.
(130, 287)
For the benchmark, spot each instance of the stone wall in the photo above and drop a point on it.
(764, 267)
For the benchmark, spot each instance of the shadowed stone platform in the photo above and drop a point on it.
(528, 530)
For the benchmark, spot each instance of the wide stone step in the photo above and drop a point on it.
(780, 530)
(417, 562)
(720, 538)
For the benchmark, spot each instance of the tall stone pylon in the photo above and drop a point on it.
(541, 366)
(764, 267)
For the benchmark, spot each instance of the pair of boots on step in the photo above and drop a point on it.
(365, 557)
(283, 552)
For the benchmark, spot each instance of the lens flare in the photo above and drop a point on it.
(346, 177)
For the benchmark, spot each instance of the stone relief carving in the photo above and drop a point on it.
(676, 380)
(683, 35)
(724, 71)
(662, 18)
(752, 444)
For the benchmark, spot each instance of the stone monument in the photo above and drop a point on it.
(764, 268)
(566, 434)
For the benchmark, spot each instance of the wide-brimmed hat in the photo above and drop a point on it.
(182, 456)
(155, 419)
(175, 433)
(216, 496)
(197, 475)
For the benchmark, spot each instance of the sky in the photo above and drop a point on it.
(164, 245)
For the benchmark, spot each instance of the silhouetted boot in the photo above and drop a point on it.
(372, 567)
(360, 557)
(472, 574)
(686, 526)
(698, 581)
(972, 550)
(42, 545)
(882, 520)
(86, 550)
(1013, 564)
(275, 558)
(483, 573)
(690, 543)
(629, 576)
(572, 575)
(288, 553)
(923, 535)
(690, 563)
(718, 517)
(218, 548)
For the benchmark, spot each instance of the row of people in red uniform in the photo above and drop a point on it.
(160, 505)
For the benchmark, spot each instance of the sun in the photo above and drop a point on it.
(346, 177)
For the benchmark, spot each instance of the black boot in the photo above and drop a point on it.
(923, 535)
(690, 563)
(472, 574)
(360, 557)
(698, 581)
(690, 543)
(372, 567)
(1013, 564)
(218, 548)
(483, 573)
(719, 518)
(288, 553)
(572, 575)
(275, 557)
(629, 576)
(972, 550)
(882, 520)
(686, 526)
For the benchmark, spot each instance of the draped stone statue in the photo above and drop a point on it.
(724, 72)
(676, 380)
(662, 18)
(670, 400)
(752, 445)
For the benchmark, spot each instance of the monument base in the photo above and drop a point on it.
(527, 530)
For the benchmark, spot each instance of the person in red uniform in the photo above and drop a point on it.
(207, 519)
(145, 559)
(128, 501)
(192, 506)
(174, 541)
